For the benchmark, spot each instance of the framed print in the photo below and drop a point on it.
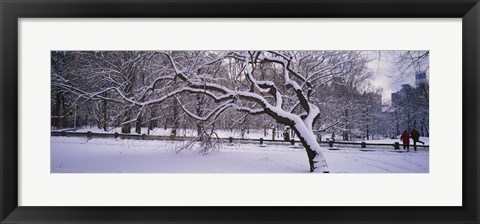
(249, 112)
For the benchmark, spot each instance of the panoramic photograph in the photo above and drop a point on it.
(238, 111)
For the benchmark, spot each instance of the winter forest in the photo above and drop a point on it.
(239, 111)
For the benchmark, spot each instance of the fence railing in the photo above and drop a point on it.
(331, 144)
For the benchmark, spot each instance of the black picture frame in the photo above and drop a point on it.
(11, 11)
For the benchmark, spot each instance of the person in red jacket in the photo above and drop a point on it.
(406, 140)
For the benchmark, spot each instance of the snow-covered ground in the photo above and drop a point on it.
(79, 155)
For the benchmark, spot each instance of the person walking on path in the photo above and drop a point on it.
(406, 140)
(416, 138)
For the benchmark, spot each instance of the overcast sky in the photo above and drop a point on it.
(386, 75)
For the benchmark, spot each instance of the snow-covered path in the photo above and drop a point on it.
(72, 155)
(381, 161)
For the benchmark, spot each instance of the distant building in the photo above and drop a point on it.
(373, 100)
(400, 95)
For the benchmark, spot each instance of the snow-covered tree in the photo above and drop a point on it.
(206, 84)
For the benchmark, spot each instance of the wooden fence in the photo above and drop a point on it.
(333, 145)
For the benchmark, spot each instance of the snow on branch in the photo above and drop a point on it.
(289, 83)
(214, 113)
(249, 110)
(265, 87)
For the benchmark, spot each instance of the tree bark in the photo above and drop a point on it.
(63, 113)
(175, 118)
(126, 128)
(316, 160)
(138, 125)
(57, 113)
(105, 113)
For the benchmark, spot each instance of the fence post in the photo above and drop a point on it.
(144, 136)
(64, 133)
(273, 134)
(292, 142)
(396, 146)
(261, 141)
(89, 134)
(330, 143)
(364, 145)
(230, 139)
(115, 135)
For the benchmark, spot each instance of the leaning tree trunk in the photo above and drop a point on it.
(316, 159)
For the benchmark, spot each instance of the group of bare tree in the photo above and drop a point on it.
(206, 90)
(412, 109)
